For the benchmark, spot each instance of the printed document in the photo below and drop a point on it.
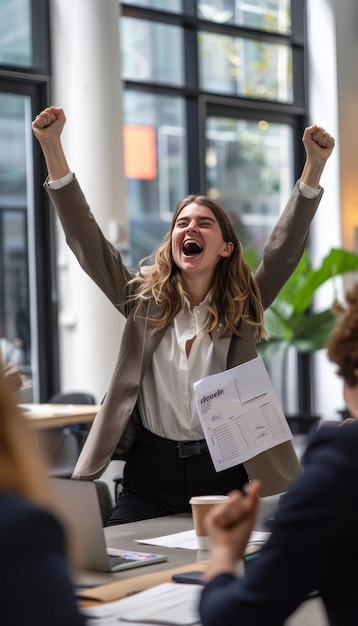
(189, 541)
(174, 604)
(240, 414)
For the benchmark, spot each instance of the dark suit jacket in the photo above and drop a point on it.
(35, 586)
(117, 423)
(314, 545)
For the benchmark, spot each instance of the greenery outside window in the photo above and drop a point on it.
(269, 15)
(245, 67)
(249, 171)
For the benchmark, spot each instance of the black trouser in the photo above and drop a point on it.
(161, 475)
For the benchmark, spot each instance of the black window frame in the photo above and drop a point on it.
(199, 102)
(34, 82)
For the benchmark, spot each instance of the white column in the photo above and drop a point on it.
(333, 88)
(87, 84)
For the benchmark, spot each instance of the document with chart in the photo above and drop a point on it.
(240, 414)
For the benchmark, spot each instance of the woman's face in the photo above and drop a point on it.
(197, 241)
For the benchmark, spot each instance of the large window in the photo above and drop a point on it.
(28, 324)
(214, 103)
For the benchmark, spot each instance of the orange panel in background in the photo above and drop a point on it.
(140, 158)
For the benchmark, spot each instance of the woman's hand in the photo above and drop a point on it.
(49, 123)
(229, 526)
(47, 127)
(319, 145)
(318, 142)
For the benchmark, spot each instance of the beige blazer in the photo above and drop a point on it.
(117, 422)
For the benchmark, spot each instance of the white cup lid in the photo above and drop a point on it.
(211, 499)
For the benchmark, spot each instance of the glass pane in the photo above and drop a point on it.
(15, 33)
(14, 269)
(155, 166)
(249, 171)
(244, 67)
(268, 15)
(151, 52)
(14, 285)
(172, 6)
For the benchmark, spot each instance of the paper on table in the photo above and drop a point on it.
(188, 540)
(240, 414)
(177, 605)
(46, 409)
(158, 605)
(258, 537)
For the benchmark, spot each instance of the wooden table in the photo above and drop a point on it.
(43, 416)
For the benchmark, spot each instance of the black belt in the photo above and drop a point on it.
(184, 448)
(191, 448)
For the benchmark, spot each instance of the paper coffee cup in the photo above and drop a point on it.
(200, 506)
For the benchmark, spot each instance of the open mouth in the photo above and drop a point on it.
(191, 247)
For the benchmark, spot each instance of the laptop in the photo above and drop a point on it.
(77, 506)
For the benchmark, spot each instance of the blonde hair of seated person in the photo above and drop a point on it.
(21, 468)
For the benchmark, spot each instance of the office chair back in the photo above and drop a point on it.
(63, 445)
(105, 500)
(72, 397)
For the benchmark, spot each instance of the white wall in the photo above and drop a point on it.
(333, 74)
(326, 231)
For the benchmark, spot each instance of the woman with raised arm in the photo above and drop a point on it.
(192, 310)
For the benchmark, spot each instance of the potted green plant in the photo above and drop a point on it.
(292, 321)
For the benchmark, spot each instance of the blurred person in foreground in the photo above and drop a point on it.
(314, 541)
(35, 583)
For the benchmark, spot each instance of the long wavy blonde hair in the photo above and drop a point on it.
(235, 296)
